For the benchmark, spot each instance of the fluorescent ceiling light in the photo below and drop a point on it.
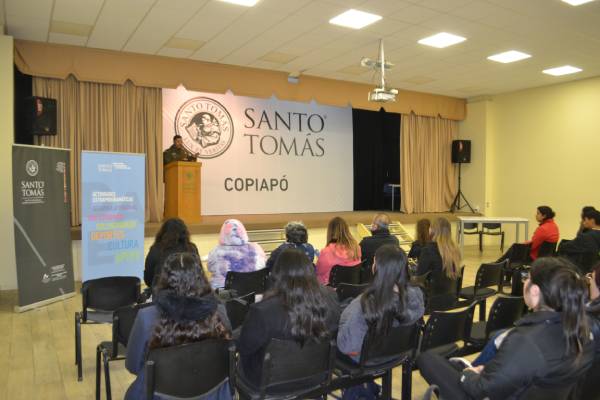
(441, 40)
(564, 70)
(245, 3)
(509, 56)
(354, 19)
(577, 2)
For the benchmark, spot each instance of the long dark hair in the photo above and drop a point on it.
(295, 283)
(174, 234)
(182, 278)
(384, 299)
(423, 235)
(564, 290)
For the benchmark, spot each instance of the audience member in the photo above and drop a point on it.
(342, 249)
(586, 243)
(369, 245)
(423, 236)
(546, 352)
(185, 311)
(172, 237)
(233, 253)
(295, 308)
(584, 211)
(296, 236)
(441, 256)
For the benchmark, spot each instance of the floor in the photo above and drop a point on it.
(37, 348)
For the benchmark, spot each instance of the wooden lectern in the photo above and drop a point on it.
(182, 191)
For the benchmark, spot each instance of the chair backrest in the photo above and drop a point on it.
(349, 291)
(489, 274)
(491, 226)
(586, 261)
(471, 228)
(290, 363)
(237, 309)
(399, 343)
(441, 291)
(446, 327)
(187, 370)
(109, 294)
(340, 274)
(520, 253)
(547, 249)
(504, 312)
(247, 282)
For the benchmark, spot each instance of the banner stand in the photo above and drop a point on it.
(19, 309)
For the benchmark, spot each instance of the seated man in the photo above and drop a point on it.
(586, 243)
(177, 152)
(380, 236)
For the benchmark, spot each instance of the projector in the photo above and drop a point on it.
(383, 95)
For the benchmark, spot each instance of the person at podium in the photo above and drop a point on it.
(177, 152)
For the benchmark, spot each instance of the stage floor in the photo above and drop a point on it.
(211, 224)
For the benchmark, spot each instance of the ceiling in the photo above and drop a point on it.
(295, 36)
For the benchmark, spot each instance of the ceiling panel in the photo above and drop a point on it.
(211, 20)
(79, 11)
(35, 9)
(62, 38)
(23, 27)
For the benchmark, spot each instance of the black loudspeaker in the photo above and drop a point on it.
(40, 116)
(461, 151)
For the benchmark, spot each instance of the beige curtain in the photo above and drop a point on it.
(427, 175)
(106, 117)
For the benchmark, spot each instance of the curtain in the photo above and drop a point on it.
(107, 117)
(427, 175)
(376, 156)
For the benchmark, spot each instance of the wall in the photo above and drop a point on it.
(541, 148)
(8, 275)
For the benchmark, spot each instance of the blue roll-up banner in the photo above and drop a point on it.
(112, 212)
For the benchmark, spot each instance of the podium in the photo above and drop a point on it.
(182, 191)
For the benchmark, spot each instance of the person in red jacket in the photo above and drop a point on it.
(547, 231)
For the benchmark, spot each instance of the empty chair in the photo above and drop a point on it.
(340, 274)
(247, 282)
(489, 274)
(237, 309)
(493, 229)
(188, 370)
(349, 291)
(503, 314)
(290, 371)
(547, 249)
(381, 353)
(445, 328)
(99, 299)
(471, 228)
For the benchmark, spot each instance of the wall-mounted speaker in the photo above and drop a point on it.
(40, 116)
(461, 151)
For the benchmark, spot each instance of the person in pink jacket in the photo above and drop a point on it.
(342, 249)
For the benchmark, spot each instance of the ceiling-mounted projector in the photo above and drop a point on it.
(380, 94)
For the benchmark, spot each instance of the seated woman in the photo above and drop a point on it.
(342, 249)
(423, 237)
(542, 357)
(186, 311)
(547, 231)
(441, 258)
(295, 308)
(388, 301)
(296, 236)
(172, 237)
(233, 253)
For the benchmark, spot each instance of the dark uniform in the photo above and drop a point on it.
(177, 154)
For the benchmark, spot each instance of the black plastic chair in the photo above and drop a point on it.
(340, 274)
(290, 371)
(100, 298)
(380, 353)
(493, 229)
(445, 328)
(349, 291)
(519, 256)
(123, 320)
(470, 228)
(488, 274)
(547, 249)
(503, 314)
(247, 282)
(237, 309)
(441, 292)
(188, 370)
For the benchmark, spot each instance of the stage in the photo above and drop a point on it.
(212, 223)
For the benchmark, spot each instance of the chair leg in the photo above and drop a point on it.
(502, 242)
(386, 386)
(407, 380)
(107, 375)
(78, 357)
(480, 242)
(98, 373)
(482, 307)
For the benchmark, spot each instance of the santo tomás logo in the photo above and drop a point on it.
(205, 127)
(32, 167)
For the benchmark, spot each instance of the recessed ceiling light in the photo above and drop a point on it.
(441, 40)
(509, 56)
(354, 19)
(245, 3)
(564, 70)
(577, 2)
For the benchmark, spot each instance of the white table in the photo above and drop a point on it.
(460, 224)
(394, 186)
